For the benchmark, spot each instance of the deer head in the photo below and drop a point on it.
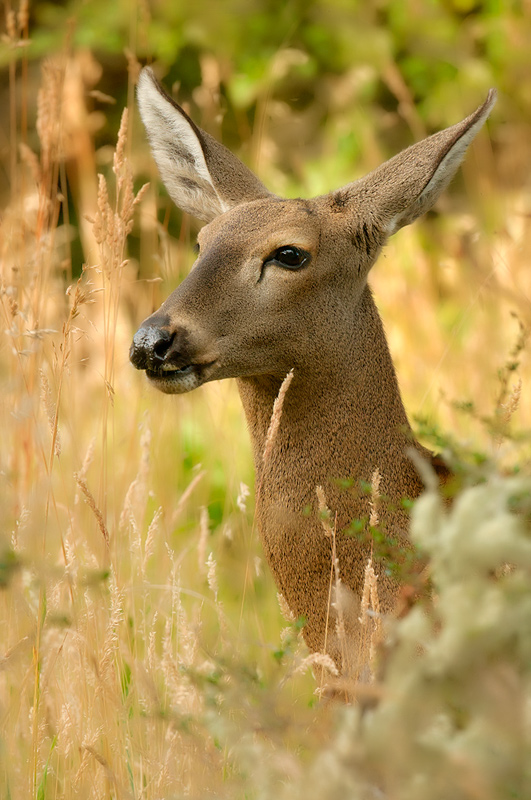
(275, 279)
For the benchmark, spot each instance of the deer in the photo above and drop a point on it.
(280, 288)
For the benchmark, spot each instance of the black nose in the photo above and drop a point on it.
(149, 348)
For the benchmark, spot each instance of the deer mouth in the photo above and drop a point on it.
(171, 379)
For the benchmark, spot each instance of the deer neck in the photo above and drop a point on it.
(340, 424)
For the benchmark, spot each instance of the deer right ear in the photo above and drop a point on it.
(201, 175)
(406, 186)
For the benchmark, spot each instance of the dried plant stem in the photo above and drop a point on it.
(505, 411)
(111, 228)
(12, 106)
(334, 584)
(322, 660)
(324, 511)
(183, 499)
(23, 24)
(271, 435)
(374, 518)
(203, 540)
(275, 416)
(508, 399)
(370, 617)
(89, 497)
(79, 296)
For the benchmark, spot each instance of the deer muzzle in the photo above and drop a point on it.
(168, 357)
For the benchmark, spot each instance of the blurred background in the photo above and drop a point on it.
(129, 560)
(311, 95)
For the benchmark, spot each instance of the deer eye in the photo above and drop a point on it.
(288, 257)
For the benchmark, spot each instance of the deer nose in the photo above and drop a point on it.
(150, 346)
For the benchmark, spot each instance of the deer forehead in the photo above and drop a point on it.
(258, 228)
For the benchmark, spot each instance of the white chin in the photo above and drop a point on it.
(176, 382)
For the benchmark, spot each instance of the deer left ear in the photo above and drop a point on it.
(200, 174)
(177, 150)
(406, 186)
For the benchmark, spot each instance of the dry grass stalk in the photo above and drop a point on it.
(370, 617)
(89, 497)
(241, 500)
(152, 644)
(184, 697)
(366, 595)
(87, 746)
(322, 660)
(212, 577)
(23, 16)
(370, 605)
(513, 401)
(203, 539)
(71, 561)
(127, 514)
(136, 496)
(506, 410)
(11, 24)
(133, 66)
(109, 773)
(508, 400)
(285, 610)
(80, 295)
(111, 643)
(339, 603)
(185, 496)
(370, 610)
(49, 113)
(276, 415)
(51, 413)
(375, 496)
(31, 160)
(335, 594)
(151, 537)
(20, 525)
(87, 461)
(111, 226)
(179, 624)
(324, 512)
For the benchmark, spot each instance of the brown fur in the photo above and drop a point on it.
(235, 316)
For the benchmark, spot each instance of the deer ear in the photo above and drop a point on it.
(200, 174)
(407, 186)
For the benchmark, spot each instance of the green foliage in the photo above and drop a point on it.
(452, 718)
(9, 564)
(413, 52)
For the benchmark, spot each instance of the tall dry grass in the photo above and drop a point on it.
(110, 606)
(129, 664)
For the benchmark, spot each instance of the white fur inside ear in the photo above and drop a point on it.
(177, 151)
(448, 166)
(438, 182)
(443, 174)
